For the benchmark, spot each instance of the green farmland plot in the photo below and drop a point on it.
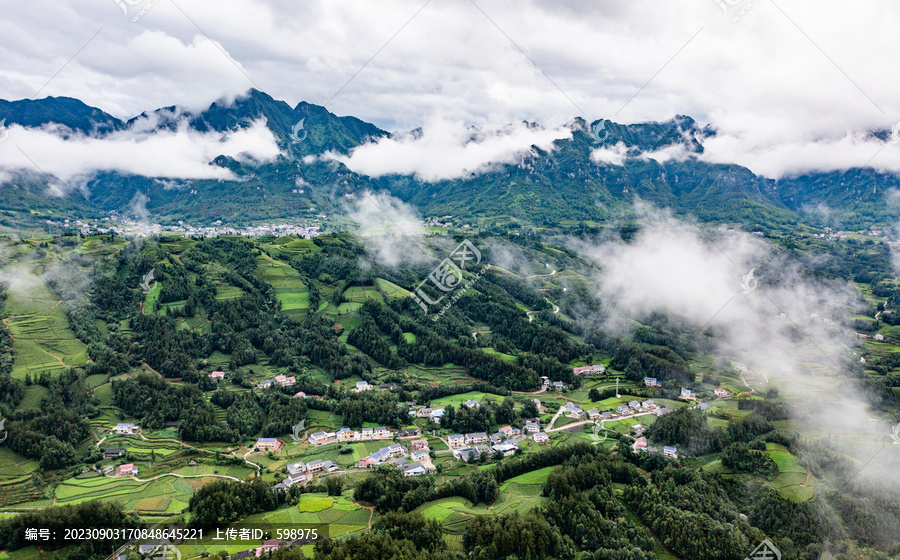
(534, 477)
(40, 331)
(792, 481)
(152, 298)
(457, 400)
(291, 247)
(33, 396)
(389, 289)
(166, 494)
(228, 292)
(285, 280)
(339, 514)
(13, 466)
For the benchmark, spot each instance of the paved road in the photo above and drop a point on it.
(177, 476)
(200, 449)
(555, 307)
(555, 416)
(538, 392)
(530, 313)
(541, 275)
(257, 465)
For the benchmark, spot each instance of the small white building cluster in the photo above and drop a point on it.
(433, 414)
(633, 407)
(301, 473)
(348, 435)
(126, 429)
(280, 380)
(419, 461)
(572, 411)
(469, 447)
(589, 370)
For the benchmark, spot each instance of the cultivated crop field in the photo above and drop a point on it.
(390, 290)
(41, 336)
(289, 288)
(163, 495)
(792, 481)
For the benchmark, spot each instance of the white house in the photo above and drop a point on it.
(321, 438)
(296, 468)
(362, 386)
(381, 432)
(344, 434)
(721, 393)
(126, 429)
(506, 448)
(415, 469)
(540, 437)
(284, 380)
(574, 412)
(271, 444)
(670, 452)
(466, 454)
(217, 375)
(127, 470)
(593, 414)
(476, 438)
(472, 404)
(456, 441)
(531, 427)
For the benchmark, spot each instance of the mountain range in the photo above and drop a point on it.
(558, 186)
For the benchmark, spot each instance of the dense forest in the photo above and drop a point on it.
(622, 506)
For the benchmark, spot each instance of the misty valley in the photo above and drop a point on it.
(625, 391)
(432, 280)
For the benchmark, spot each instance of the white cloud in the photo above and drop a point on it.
(613, 155)
(389, 227)
(449, 150)
(775, 102)
(181, 153)
(779, 329)
(672, 152)
(794, 157)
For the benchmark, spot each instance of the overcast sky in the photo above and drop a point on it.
(791, 85)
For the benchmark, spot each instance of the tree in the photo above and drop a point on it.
(334, 485)
(57, 454)
(594, 395)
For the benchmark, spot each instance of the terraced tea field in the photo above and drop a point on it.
(40, 331)
(289, 288)
(164, 495)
